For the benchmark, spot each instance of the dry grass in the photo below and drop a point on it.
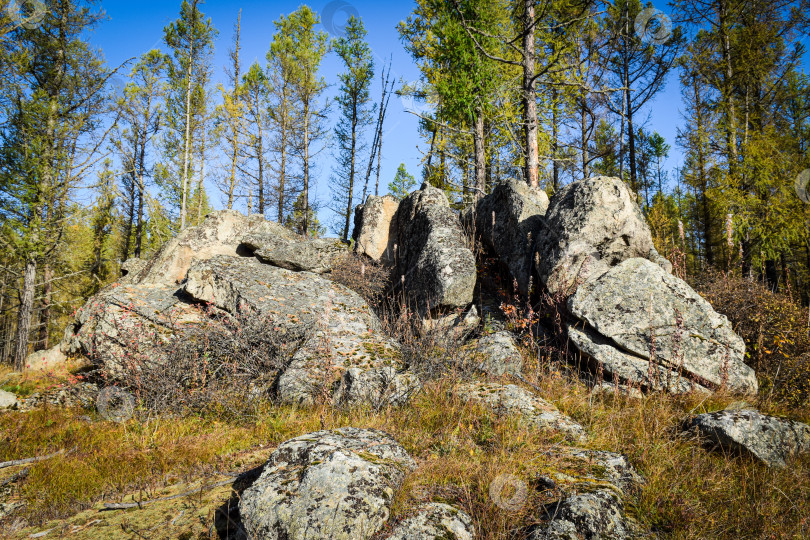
(460, 449)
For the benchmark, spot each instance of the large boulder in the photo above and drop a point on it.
(342, 332)
(330, 484)
(435, 521)
(507, 222)
(590, 226)
(509, 399)
(342, 354)
(374, 234)
(318, 255)
(770, 439)
(645, 314)
(126, 324)
(433, 258)
(45, 360)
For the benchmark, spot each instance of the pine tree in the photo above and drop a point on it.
(403, 183)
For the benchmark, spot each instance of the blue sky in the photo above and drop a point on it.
(134, 27)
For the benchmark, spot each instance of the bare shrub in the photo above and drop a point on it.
(224, 362)
(774, 329)
(369, 279)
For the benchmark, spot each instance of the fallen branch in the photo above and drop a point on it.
(140, 504)
(26, 461)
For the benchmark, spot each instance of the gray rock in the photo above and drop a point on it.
(595, 515)
(329, 484)
(74, 395)
(456, 325)
(130, 269)
(45, 360)
(643, 311)
(438, 267)
(771, 440)
(507, 222)
(8, 400)
(318, 255)
(603, 466)
(592, 505)
(435, 521)
(124, 323)
(499, 355)
(509, 399)
(374, 228)
(221, 233)
(591, 225)
(376, 386)
(634, 373)
(342, 331)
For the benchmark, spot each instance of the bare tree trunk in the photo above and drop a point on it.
(283, 171)
(45, 308)
(24, 313)
(351, 174)
(306, 170)
(530, 95)
(480, 155)
(187, 149)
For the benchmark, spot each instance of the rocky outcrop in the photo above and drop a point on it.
(770, 439)
(507, 222)
(513, 400)
(342, 332)
(433, 258)
(590, 226)
(636, 314)
(330, 484)
(498, 355)
(374, 228)
(435, 521)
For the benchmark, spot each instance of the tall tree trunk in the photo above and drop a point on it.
(351, 173)
(530, 95)
(306, 169)
(631, 147)
(479, 145)
(235, 100)
(282, 174)
(187, 149)
(24, 313)
(586, 158)
(45, 308)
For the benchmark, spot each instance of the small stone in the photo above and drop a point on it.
(435, 521)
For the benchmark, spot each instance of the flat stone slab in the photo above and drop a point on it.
(770, 439)
(510, 399)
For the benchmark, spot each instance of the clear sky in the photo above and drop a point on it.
(134, 27)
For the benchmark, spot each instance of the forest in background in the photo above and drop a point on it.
(94, 171)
